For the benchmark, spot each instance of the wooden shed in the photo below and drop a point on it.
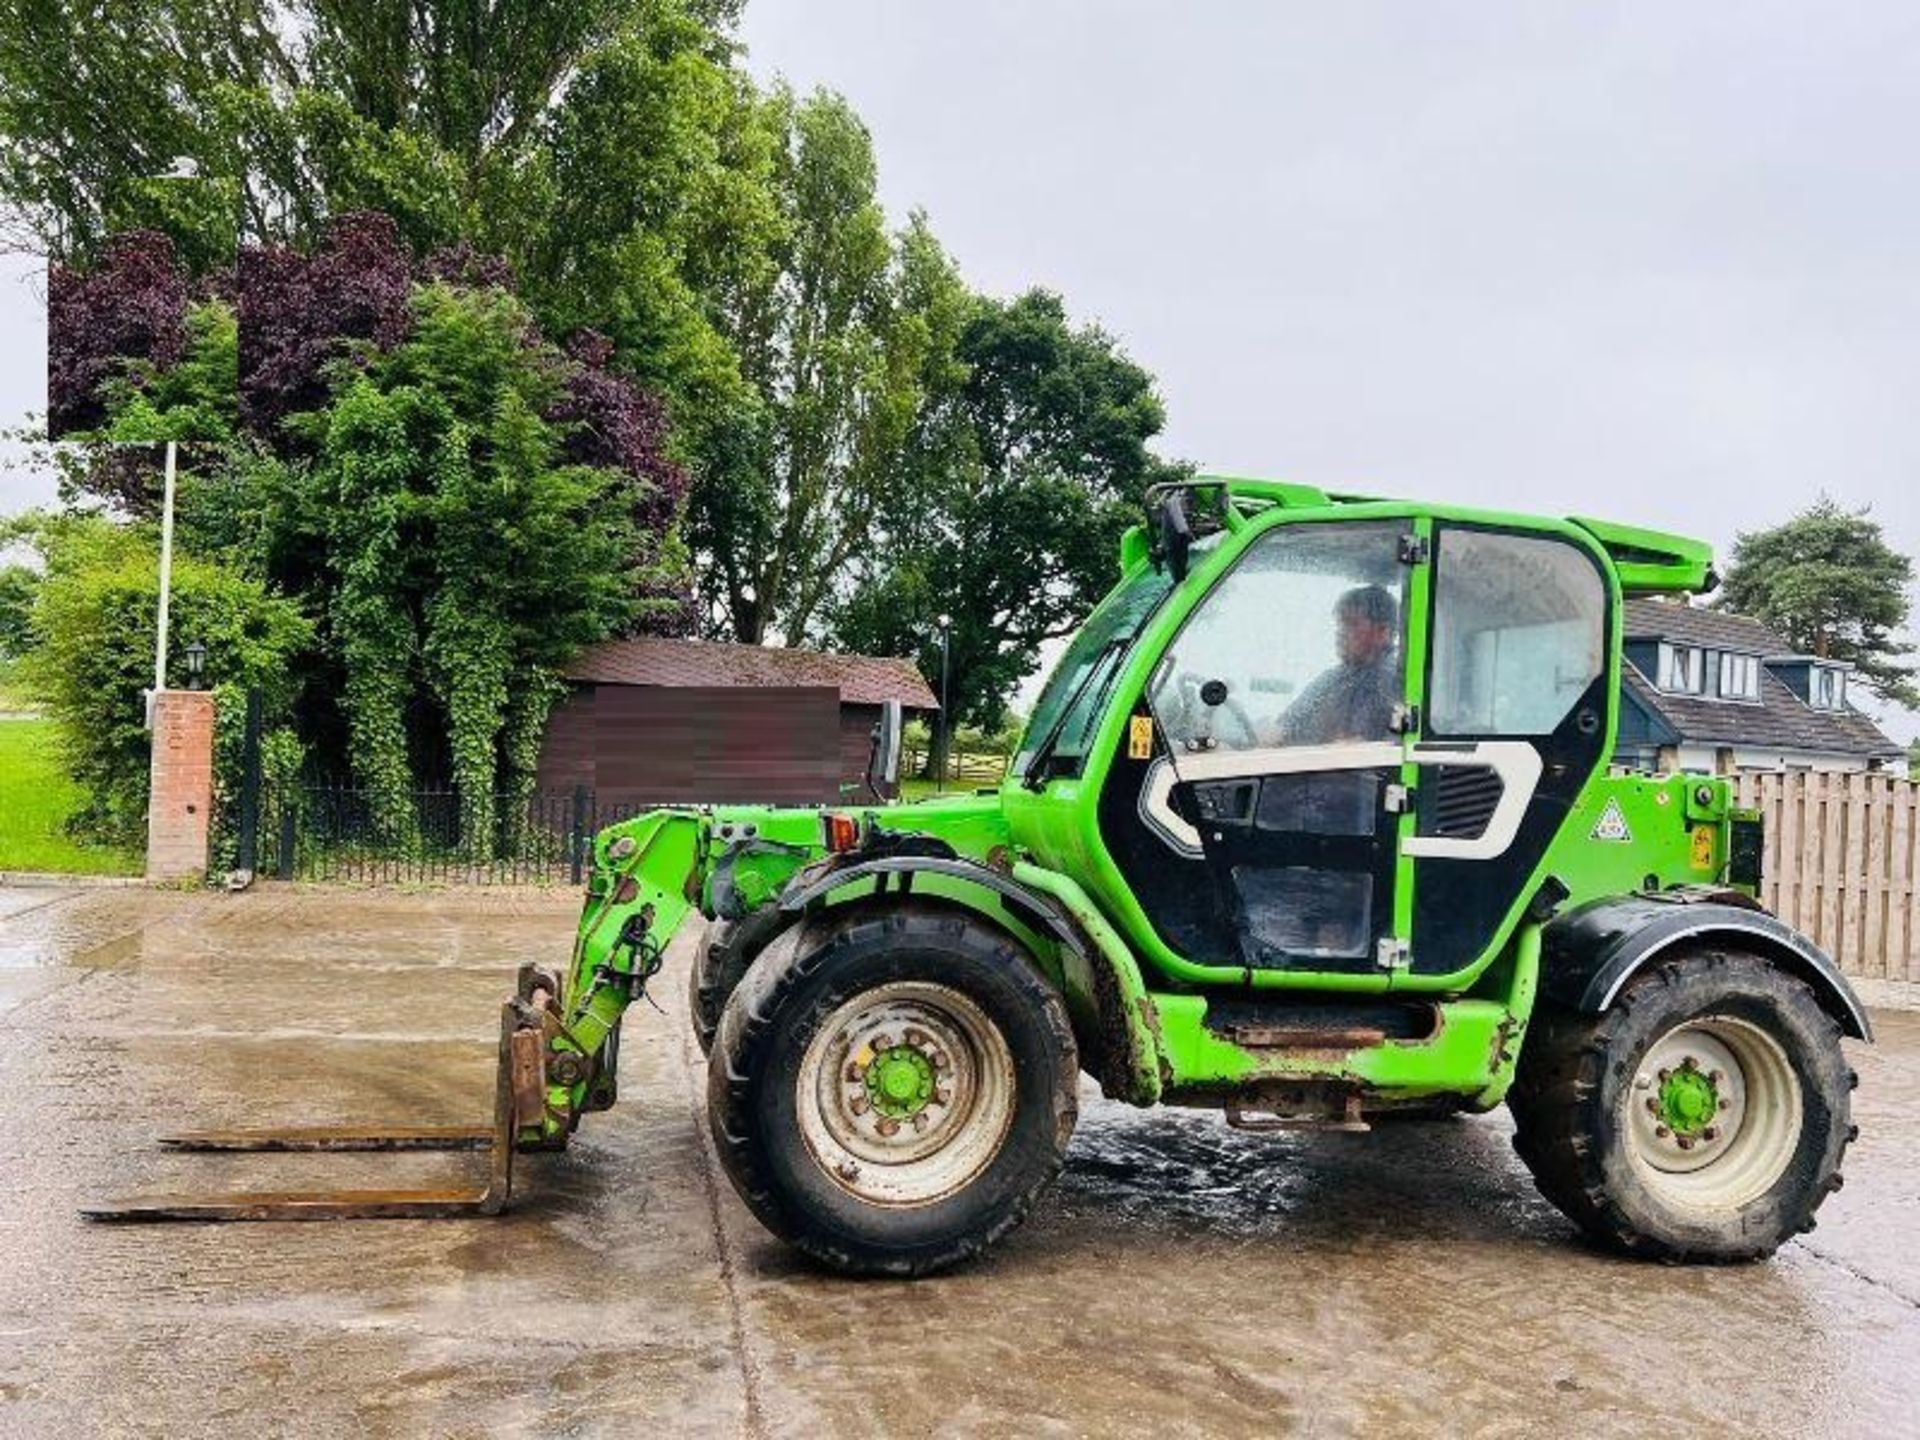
(651, 721)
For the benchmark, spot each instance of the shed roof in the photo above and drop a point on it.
(860, 679)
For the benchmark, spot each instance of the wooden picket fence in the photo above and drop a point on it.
(964, 767)
(1839, 864)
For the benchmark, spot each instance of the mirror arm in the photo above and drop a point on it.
(883, 753)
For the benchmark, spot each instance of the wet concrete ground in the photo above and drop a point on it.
(1182, 1278)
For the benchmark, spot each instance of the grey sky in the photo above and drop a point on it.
(1652, 262)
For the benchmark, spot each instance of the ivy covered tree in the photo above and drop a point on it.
(1828, 581)
(469, 557)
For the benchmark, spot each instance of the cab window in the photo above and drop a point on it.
(1303, 643)
(1519, 633)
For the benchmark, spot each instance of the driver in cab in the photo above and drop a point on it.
(1355, 699)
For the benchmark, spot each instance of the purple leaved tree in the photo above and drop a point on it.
(127, 314)
(300, 312)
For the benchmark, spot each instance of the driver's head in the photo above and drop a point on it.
(1366, 619)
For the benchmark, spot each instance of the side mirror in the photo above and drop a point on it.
(883, 761)
(1175, 532)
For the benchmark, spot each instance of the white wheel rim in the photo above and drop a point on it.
(1712, 1114)
(904, 1147)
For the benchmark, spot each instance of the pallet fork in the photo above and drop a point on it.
(519, 1102)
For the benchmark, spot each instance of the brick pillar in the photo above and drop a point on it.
(181, 799)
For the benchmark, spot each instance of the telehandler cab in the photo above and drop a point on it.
(1313, 824)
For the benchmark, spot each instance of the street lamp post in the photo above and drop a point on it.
(946, 718)
(184, 167)
(166, 573)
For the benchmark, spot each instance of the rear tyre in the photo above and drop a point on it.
(1702, 1117)
(893, 1095)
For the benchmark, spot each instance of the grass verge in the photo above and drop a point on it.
(35, 799)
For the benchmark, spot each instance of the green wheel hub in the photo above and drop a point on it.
(900, 1082)
(1688, 1099)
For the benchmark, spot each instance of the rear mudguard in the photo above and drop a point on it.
(1591, 953)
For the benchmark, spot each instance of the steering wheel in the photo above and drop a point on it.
(1191, 721)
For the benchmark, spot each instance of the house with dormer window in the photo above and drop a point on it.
(1708, 691)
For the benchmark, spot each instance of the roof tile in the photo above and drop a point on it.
(1670, 620)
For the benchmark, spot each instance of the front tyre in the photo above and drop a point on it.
(1703, 1117)
(892, 1095)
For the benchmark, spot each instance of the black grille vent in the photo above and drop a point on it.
(1458, 801)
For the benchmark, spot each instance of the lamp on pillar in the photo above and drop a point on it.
(946, 718)
(196, 662)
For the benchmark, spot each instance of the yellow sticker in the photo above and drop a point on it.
(1703, 847)
(1140, 738)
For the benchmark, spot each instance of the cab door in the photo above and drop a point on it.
(1519, 692)
(1281, 710)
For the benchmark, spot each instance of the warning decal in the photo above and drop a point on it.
(1612, 824)
(1140, 737)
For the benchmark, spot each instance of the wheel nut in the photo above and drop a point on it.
(889, 1127)
(920, 1121)
(1715, 1076)
(858, 1104)
(849, 1170)
(1712, 1132)
(1661, 1131)
(854, 1072)
(1663, 1076)
(940, 1061)
(1653, 1106)
(916, 1038)
(1686, 1142)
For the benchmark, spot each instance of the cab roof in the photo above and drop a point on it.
(1648, 562)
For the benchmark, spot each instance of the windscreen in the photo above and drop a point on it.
(1078, 689)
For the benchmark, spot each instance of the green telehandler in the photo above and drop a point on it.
(1314, 824)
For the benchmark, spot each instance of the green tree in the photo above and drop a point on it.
(19, 588)
(1032, 459)
(831, 345)
(94, 622)
(293, 112)
(97, 100)
(1831, 585)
